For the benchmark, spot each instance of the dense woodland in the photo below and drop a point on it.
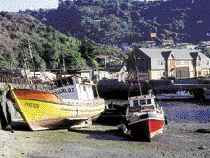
(26, 41)
(127, 21)
(76, 31)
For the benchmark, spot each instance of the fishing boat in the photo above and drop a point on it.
(177, 95)
(144, 117)
(45, 110)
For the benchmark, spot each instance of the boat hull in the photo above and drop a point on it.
(206, 93)
(175, 97)
(146, 126)
(41, 113)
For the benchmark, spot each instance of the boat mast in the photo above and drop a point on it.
(139, 82)
(25, 64)
(32, 63)
(18, 70)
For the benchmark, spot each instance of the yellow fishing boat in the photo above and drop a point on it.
(44, 110)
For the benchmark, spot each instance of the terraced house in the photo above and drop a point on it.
(149, 63)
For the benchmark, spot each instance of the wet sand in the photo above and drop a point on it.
(179, 139)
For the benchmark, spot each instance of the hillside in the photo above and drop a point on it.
(127, 21)
(50, 48)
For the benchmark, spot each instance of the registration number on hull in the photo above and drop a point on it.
(32, 105)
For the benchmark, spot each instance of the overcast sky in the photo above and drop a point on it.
(16, 5)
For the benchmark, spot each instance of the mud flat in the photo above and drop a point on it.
(178, 140)
(183, 136)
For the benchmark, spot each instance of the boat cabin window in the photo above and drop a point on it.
(95, 93)
(58, 83)
(143, 102)
(64, 81)
(149, 101)
(135, 103)
(70, 81)
(157, 106)
(138, 103)
(77, 80)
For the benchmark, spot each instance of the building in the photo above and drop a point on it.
(204, 44)
(65, 3)
(101, 74)
(166, 43)
(118, 72)
(156, 63)
(105, 60)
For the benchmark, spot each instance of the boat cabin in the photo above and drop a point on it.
(74, 87)
(143, 103)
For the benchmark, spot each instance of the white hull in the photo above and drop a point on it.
(178, 95)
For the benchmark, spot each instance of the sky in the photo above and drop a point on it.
(16, 5)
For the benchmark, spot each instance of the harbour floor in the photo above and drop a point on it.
(180, 138)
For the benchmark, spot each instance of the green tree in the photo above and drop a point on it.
(87, 51)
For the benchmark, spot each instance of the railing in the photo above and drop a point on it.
(4, 79)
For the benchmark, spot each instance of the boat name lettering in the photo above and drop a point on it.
(70, 89)
(64, 90)
(32, 105)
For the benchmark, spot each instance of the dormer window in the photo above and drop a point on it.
(162, 62)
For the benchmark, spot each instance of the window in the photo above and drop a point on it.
(186, 62)
(207, 62)
(177, 62)
(135, 103)
(164, 73)
(206, 72)
(162, 62)
(64, 81)
(149, 101)
(70, 81)
(59, 83)
(142, 102)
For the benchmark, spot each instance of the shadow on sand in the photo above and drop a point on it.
(20, 126)
(110, 134)
(106, 133)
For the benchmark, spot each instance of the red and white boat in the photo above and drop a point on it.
(145, 118)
